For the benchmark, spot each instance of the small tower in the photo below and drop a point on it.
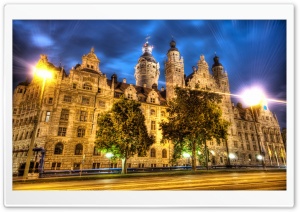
(174, 70)
(220, 75)
(91, 61)
(147, 69)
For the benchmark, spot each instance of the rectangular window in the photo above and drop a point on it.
(64, 116)
(235, 143)
(55, 166)
(254, 148)
(129, 96)
(152, 100)
(141, 165)
(96, 165)
(15, 111)
(221, 159)
(85, 100)
(153, 125)
(246, 136)
(76, 166)
(153, 165)
(248, 146)
(47, 116)
(96, 151)
(74, 86)
(67, 98)
(83, 116)
(62, 131)
(50, 100)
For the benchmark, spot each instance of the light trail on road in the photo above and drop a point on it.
(222, 181)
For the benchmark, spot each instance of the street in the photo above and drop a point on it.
(270, 180)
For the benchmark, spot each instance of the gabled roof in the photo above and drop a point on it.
(121, 87)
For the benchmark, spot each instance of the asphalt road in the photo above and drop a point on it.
(217, 181)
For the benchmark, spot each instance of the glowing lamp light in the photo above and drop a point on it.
(186, 155)
(254, 96)
(43, 73)
(109, 155)
(212, 152)
(199, 153)
(259, 157)
(231, 156)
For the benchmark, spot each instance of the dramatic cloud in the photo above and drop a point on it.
(252, 52)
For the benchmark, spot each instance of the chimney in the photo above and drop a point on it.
(124, 80)
(162, 88)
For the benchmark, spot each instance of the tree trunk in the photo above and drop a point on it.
(206, 155)
(124, 166)
(194, 156)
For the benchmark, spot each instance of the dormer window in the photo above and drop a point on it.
(152, 100)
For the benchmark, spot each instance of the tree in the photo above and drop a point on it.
(122, 131)
(194, 118)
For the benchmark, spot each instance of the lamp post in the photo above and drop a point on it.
(255, 97)
(231, 156)
(109, 155)
(187, 156)
(83, 158)
(44, 74)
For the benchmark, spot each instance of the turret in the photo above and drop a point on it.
(174, 70)
(220, 75)
(91, 61)
(147, 69)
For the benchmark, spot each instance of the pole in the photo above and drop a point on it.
(35, 127)
(258, 139)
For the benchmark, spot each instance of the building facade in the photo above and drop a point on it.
(69, 105)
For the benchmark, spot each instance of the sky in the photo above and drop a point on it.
(252, 52)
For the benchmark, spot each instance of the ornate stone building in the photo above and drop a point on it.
(72, 102)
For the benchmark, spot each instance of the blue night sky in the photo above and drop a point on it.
(252, 52)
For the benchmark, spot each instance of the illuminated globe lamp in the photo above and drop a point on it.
(255, 97)
(109, 155)
(187, 156)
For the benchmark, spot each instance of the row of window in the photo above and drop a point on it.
(59, 147)
(246, 136)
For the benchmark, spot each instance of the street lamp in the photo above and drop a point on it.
(187, 156)
(83, 158)
(44, 74)
(109, 155)
(255, 97)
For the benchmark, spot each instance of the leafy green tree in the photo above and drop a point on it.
(122, 131)
(194, 118)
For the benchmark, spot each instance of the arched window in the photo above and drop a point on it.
(164, 153)
(58, 149)
(80, 132)
(87, 86)
(152, 153)
(152, 112)
(163, 114)
(78, 149)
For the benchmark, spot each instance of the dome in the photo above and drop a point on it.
(147, 53)
(216, 60)
(173, 46)
(91, 54)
